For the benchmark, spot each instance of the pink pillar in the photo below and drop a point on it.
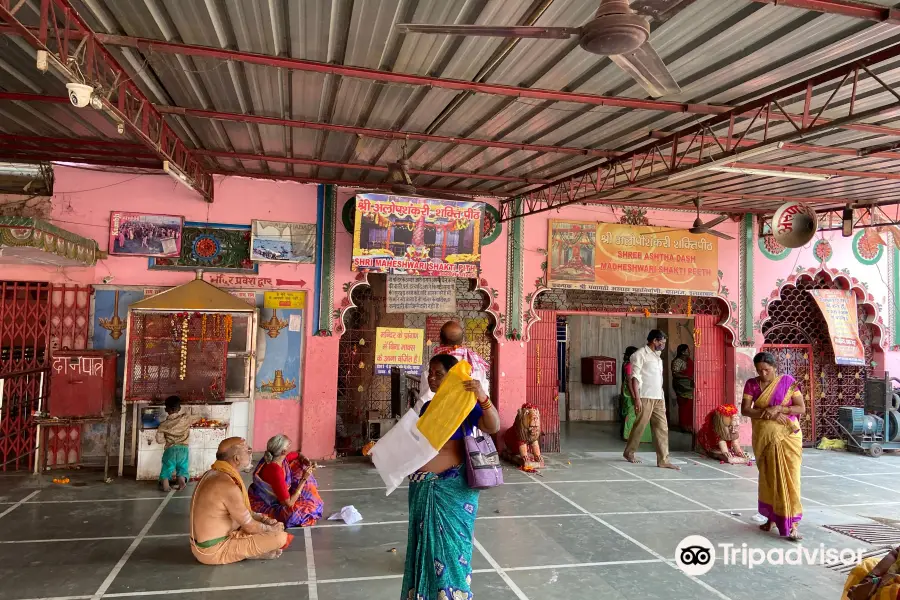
(511, 382)
(319, 407)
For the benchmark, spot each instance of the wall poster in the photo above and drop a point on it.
(417, 236)
(138, 234)
(211, 247)
(626, 258)
(277, 241)
(839, 309)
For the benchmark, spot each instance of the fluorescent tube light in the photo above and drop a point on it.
(767, 173)
(726, 160)
(177, 174)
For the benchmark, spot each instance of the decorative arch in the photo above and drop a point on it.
(728, 310)
(362, 280)
(794, 329)
(864, 299)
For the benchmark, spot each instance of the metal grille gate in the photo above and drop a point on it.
(797, 360)
(794, 319)
(24, 356)
(542, 389)
(365, 396)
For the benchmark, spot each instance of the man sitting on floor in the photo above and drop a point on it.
(223, 528)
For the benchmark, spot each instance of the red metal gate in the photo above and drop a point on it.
(542, 389)
(709, 367)
(797, 360)
(24, 355)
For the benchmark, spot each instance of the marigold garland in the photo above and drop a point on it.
(229, 325)
(727, 410)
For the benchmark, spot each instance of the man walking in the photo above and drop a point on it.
(649, 400)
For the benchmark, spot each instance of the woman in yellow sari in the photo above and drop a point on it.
(775, 404)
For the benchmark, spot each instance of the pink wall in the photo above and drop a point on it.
(82, 203)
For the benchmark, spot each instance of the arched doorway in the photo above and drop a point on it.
(364, 395)
(707, 320)
(795, 330)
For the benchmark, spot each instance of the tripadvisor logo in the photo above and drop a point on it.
(696, 555)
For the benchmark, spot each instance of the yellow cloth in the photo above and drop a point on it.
(779, 454)
(449, 408)
(828, 444)
(890, 591)
(224, 467)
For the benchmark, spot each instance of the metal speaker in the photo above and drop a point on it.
(794, 224)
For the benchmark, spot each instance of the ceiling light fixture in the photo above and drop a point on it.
(767, 173)
(178, 175)
(726, 160)
(847, 221)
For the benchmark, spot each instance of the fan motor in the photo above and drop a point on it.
(615, 34)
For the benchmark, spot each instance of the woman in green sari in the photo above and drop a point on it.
(628, 414)
(442, 506)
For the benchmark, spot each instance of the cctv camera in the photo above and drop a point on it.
(79, 94)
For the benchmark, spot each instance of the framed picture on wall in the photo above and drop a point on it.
(139, 234)
(278, 241)
(213, 247)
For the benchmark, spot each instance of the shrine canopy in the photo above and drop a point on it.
(196, 295)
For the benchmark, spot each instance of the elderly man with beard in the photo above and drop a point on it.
(223, 528)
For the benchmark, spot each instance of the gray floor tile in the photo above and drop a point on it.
(521, 500)
(293, 592)
(57, 569)
(553, 541)
(343, 552)
(728, 494)
(167, 564)
(56, 521)
(621, 496)
(620, 582)
(373, 505)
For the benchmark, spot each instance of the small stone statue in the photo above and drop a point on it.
(719, 435)
(522, 440)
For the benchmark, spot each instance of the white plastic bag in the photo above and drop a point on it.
(401, 451)
(349, 514)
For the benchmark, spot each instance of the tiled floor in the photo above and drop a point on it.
(592, 526)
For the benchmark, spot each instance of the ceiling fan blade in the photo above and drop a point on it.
(716, 221)
(666, 230)
(659, 11)
(719, 234)
(647, 68)
(554, 33)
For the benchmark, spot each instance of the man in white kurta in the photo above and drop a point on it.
(452, 343)
(649, 400)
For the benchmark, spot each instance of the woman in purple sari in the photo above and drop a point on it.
(775, 406)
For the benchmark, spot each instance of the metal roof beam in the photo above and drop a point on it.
(364, 167)
(846, 8)
(811, 148)
(662, 160)
(117, 94)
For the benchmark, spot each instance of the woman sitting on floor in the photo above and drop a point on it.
(283, 486)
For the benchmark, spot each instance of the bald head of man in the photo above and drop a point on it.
(235, 450)
(452, 334)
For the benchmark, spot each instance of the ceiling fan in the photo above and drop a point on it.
(402, 184)
(616, 31)
(699, 227)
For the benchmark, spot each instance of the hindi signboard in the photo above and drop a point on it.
(626, 258)
(286, 300)
(398, 347)
(417, 236)
(431, 295)
(839, 309)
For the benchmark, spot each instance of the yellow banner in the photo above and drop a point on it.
(286, 300)
(626, 258)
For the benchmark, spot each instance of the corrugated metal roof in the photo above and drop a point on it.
(720, 51)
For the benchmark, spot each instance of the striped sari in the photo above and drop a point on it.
(779, 454)
(305, 511)
(442, 509)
